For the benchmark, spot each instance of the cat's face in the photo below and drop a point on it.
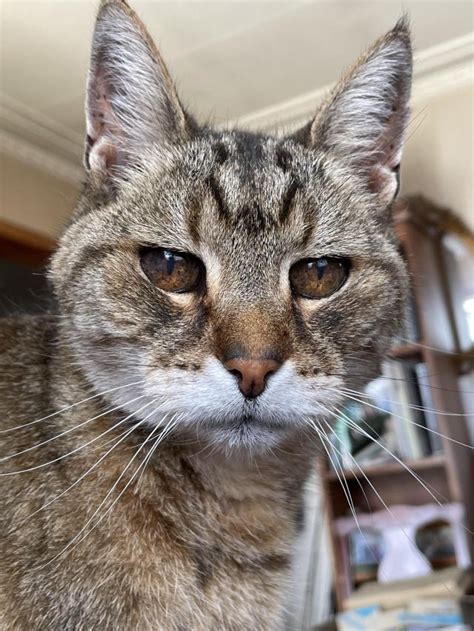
(237, 280)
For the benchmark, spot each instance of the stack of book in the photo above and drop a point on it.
(395, 415)
(437, 601)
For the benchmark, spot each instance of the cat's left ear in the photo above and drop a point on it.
(364, 118)
(131, 101)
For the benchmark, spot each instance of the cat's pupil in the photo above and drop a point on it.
(170, 259)
(321, 266)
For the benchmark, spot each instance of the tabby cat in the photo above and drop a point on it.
(216, 290)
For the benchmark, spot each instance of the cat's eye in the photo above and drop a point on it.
(319, 278)
(171, 271)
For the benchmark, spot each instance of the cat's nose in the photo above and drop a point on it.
(252, 374)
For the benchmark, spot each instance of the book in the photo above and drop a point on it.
(390, 418)
(431, 417)
(409, 419)
(451, 582)
(410, 328)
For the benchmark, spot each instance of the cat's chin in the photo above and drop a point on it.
(246, 436)
(247, 433)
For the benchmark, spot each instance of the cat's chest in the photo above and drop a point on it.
(197, 566)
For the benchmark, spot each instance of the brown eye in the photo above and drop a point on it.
(171, 271)
(319, 278)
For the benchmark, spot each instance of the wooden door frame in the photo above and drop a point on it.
(24, 246)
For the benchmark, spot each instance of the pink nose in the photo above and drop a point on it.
(252, 374)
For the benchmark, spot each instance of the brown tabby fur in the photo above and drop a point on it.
(201, 537)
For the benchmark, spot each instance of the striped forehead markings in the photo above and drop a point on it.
(218, 195)
(251, 214)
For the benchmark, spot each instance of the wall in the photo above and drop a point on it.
(34, 199)
(438, 159)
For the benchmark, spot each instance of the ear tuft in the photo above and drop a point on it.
(363, 120)
(131, 100)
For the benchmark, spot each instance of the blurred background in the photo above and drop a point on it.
(266, 66)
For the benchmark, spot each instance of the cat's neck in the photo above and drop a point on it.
(248, 478)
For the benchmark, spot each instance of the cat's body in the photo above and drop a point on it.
(195, 545)
(216, 292)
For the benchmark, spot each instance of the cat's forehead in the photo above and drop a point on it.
(242, 193)
(257, 162)
(250, 186)
(237, 183)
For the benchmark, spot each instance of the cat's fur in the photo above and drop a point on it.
(202, 539)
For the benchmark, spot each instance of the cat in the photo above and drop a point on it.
(216, 290)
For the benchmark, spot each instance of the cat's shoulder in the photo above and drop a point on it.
(26, 331)
(25, 343)
(26, 348)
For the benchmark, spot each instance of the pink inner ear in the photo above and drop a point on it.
(383, 181)
(104, 131)
(101, 117)
(392, 140)
(383, 176)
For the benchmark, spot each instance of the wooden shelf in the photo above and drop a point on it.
(23, 246)
(465, 361)
(406, 351)
(389, 468)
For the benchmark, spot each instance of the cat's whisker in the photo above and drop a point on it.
(345, 450)
(339, 471)
(70, 453)
(150, 438)
(376, 407)
(69, 407)
(389, 510)
(410, 405)
(77, 539)
(343, 482)
(352, 375)
(359, 429)
(164, 434)
(120, 440)
(431, 348)
(420, 480)
(364, 361)
(338, 451)
(68, 431)
(122, 437)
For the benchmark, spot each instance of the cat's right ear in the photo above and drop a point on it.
(131, 101)
(364, 118)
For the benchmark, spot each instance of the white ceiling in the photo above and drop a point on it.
(228, 58)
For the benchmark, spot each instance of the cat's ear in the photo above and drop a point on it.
(131, 101)
(364, 118)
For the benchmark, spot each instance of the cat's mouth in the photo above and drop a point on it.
(249, 432)
(246, 420)
(250, 421)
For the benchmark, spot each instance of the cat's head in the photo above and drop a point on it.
(237, 280)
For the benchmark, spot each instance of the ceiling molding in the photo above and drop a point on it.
(37, 140)
(31, 124)
(437, 70)
(40, 158)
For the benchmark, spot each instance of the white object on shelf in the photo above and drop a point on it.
(402, 558)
